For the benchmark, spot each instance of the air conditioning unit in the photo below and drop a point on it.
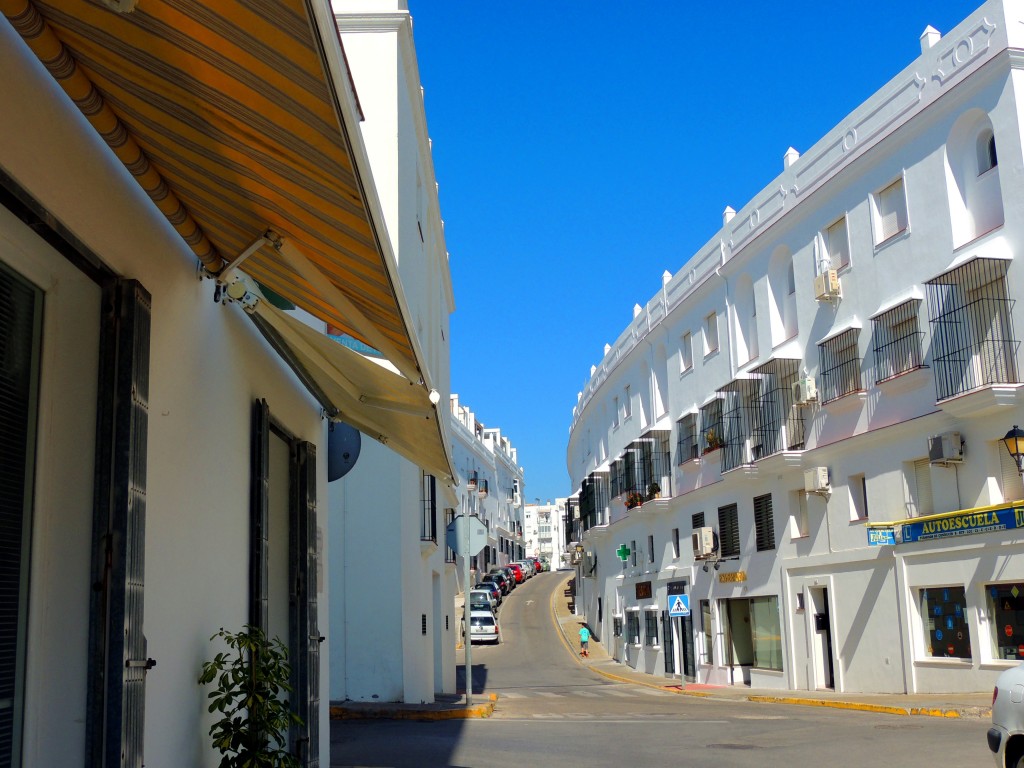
(946, 448)
(816, 480)
(826, 285)
(703, 543)
(804, 390)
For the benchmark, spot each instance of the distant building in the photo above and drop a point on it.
(544, 530)
(801, 432)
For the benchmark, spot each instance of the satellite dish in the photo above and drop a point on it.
(343, 443)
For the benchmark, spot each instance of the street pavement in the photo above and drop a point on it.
(600, 664)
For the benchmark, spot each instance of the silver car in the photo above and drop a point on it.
(1006, 736)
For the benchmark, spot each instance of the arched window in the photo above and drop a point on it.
(986, 152)
(972, 178)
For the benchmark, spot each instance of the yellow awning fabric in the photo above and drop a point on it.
(230, 119)
(360, 391)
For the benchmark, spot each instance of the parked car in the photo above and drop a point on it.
(491, 587)
(483, 627)
(505, 571)
(485, 596)
(535, 564)
(1006, 736)
(528, 569)
(498, 579)
(519, 577)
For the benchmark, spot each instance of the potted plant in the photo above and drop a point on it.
(634, 499)
(653, 491)
(712, 442)
(251, 695)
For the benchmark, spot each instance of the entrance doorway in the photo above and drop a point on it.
(820, 631)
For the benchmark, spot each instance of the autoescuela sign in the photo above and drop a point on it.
(963, 524)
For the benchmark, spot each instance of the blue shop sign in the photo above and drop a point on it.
(881, 536)
(963, 524)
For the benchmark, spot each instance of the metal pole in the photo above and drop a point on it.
(465, 604)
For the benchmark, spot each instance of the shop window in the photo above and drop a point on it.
(766, 632)
(1006, 619)
(944, 622)
(650, 628)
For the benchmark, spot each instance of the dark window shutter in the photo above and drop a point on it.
(259, 515)
(118, 661)
(20, 323)
(764, 523)
(304, 627)
(728, 531)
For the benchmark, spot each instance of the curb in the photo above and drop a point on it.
(342, 712)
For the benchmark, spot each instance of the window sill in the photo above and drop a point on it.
(901, 235)
(909, 379)
(849, 400)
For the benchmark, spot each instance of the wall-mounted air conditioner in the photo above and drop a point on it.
(804, 390)
(816, 480)
(947, 448)
(703, 540)
(826, 285)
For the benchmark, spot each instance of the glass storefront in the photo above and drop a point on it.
(1005, 604)
(767, 634)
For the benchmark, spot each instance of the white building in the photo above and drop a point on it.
(165, 439)
(395, 641)
(487, 455)
(544, 530)
(848, 332)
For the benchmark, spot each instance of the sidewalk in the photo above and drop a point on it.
(963, 705)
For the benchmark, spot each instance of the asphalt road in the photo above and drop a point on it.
(553, 712)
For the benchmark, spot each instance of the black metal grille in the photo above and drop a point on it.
(742, 420)
(972, 330)
(764, 523)
(782, 425)
(840, 365)
(728, 531)
(668, 643)
(593, 500)
(897, 341)
(428, 521)
(449, 518)
(711, 426)
(652, 463)
(687, 444)
(697, 520)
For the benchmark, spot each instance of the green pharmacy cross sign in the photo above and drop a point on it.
(623, 552)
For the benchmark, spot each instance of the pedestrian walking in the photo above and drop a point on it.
(584, 641)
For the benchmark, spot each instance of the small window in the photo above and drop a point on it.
(858, 486)
(697, 520)
(650, 628)
(710, 334)
(685, 353)
(627, 405)
(897, 341)
(615, 411)
(650, 548)
(837, 244)
(687, 445)
(675, 542)
(919, 488)
(632, 551)
(764, 523)
(840, 365)
(633, 628)
(947, 633)
(798, 515)
(890, 212)
(986, 152)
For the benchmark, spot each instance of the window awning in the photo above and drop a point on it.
(237, 119)
(360, 391)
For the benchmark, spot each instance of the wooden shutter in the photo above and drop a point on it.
(764, 523)
(303, 625)
(892, 211)
(922, 499)
(728, 531)
(259, 520)
(118, 661)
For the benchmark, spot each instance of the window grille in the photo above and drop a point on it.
(711, 426)
(449, 518)
(650, 628)
(697, 520)
(782, 424)
(593, 500)
(651, 463)
(973, 343)
(897, 341)
(891, 210)
(650, 548)
(764, 523)
(633, 628)
(428, 522)
(840, 365)
(687, 445)
(741, 421)
(668, 642)
(728, 531)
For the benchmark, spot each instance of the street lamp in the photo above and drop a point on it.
(1014, 442)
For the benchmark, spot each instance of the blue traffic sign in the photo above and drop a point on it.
(679, 605)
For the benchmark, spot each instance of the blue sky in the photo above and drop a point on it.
(583, 148)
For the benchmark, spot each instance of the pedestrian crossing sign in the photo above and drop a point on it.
(679, 605)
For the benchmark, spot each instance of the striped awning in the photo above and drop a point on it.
(235, 117)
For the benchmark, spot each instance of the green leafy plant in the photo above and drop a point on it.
(251, 696)
(712, 441)
(653, 491)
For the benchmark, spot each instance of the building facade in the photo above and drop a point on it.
(397, 641)
(790, 465)
(543, 530)
(488, 456)
(182, 216)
